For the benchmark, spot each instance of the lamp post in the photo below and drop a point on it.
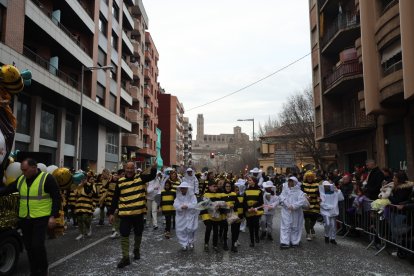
(84, 68)
(254, 146)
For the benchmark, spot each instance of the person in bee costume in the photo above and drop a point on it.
(84, 207)
(129, 199)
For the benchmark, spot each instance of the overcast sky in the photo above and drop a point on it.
(209, 48)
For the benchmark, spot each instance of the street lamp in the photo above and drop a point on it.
(84, 68)
(254, 146)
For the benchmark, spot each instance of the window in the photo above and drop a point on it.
(2, 25)
(115, 12)
(112, 143)
(318, 116)
(48, 127)
(113, 71)
(101, 57)
(112, 103)
(103, 25)
(100, 94)
(23, 114)
(69, 130)
(21, 146)
(51, 151)
(114, 41)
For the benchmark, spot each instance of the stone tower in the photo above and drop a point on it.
(200, 128)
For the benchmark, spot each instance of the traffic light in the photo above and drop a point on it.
(211, 155)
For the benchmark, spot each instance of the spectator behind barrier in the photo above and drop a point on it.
(374, 180)
(402, 188)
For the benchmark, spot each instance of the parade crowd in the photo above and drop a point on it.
(227, 204)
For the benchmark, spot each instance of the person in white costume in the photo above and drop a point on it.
(292, 200)
(269, 205)
(153, 188)
(258, 174)
(191, 179)
(186, 215)
(241, 184)
(330, 196)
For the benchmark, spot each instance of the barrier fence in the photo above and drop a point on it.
(388, 227)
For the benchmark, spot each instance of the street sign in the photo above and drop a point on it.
(284, 159)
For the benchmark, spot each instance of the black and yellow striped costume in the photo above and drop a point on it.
(72, 198)
(312, 191)
(167, 201)
(131, 196)
(174, 184)
(213, 197)
(109, 190)
(240, 210)
(253, 197)
(84, 200)
(231, 200)
(98, 188)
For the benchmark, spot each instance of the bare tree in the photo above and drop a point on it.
(268, 126)
(297, 117)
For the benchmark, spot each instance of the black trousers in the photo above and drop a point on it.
(253, 224)
(223, 229)
(235, 231)
(127, 223)
(34, 235)
(211, 225)
(168, 219)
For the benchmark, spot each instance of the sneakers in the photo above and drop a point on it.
(184, 248)
(333, 242)
(155, 227)
(234, 249)
(101, 223)
(237, 244)
(78, 238)
(308, 237)
(124, 262)
(191, 246)
(215, 248)
(89, 232)
(114, 235)
(167, 235)
(206, 247)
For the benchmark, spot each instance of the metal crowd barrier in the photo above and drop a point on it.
(384, 228)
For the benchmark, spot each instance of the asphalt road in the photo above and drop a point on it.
(99, 255)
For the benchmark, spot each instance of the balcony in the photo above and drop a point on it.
(347, 75)
(35, 17)
(341, 32)
(347, 126)
(131, 140)
(134, 92)
(391, 86)
(136, 47)
(53, 70)
(133, 116)
(147, 73)
(147, 91)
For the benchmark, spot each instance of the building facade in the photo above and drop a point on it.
(58, 41)
(171, 116)
(188, 144)
(362, 61)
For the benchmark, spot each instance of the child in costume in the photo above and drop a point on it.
(167, 207)
(186, 215)
(330, 196)
(269, 205)
(310, 187)
(253, 209)
(84, 208)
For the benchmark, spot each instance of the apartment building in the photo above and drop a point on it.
(171, 116)
(188, 147)
(362, 61)
(58, 41)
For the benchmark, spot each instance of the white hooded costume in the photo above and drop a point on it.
(186, 220)
(292, 200)
(329, 207)
(269, 202)
(259, 176)
(153, 188)
(192, 180)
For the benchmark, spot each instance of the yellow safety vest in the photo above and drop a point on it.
(34, 201)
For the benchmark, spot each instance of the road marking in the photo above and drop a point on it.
(64, 259)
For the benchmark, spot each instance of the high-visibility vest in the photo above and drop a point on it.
(167, 202)
(252, 197)
(132, 197)
(34, 201)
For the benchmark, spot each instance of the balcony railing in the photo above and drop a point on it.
(348, 123)
(392, 68)
(53, 70)
(388, 4)
(346, 69)
(342, 21)
(74, 38)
